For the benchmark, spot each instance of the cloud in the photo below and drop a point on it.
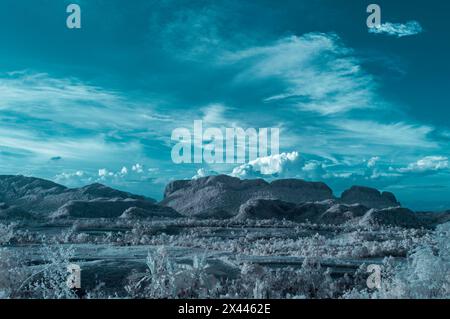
(291, 165)
(63, 176)
(103, 172)
(45, 117)
(72, 106)
(427, 164)
(138, 168)
(266, 166)
(188, 33)
(123, 178)
(317, 87)
(393, 134)
(377, 174)
(44, 146)
(315, 72)
(214, 114)
(203, 172)
(373, 172)
(398, 29)
(373, 161)
(312, 86)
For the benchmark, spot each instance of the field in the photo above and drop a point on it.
(197, 258)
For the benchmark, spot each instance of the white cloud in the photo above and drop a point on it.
(45, 117)
(214, 114)
(290, 165)
(318, 73)
(203, 172)
(79, 173)
(72, 102)
(343, 175)
(389, 134)
(373, 161)
(427, 164)
(64, 176)
(398, 29)
(311, 166)
(269, 165)
(138, 168)
(46, 147)
(102, 172)
(74, 179)
(120, 179)
(377, 174)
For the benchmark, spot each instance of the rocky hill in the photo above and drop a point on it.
(331, 212)
(224, 194)
(34, 197)
(369, 197)
(214, 197)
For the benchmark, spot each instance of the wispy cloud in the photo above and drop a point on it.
(316, 72)
(71, 148)
(71, 102)
(371, 132)
(44, 118)
(398, 29)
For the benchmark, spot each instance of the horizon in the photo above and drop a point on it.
(354, 105)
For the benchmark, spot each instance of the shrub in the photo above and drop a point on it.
(49, 281)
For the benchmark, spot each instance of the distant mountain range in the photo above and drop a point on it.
(215, 197)
(225, 194)
(38, 198)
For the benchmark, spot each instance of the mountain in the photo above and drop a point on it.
(113, 208)
(332, 212)
(369, 197)
(325, 212)
(394, 216)
(224, 195)
(268, 209)
(214, 197)
(35, 197)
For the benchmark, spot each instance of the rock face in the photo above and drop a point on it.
(224, 195)
(13, 212)
(395, 216)
(269, 209)
(28, 197)
(433, 219)
(341, 213)
(333, 213)
(325, 212)
(369, 197)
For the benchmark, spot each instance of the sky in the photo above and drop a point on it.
(354, 106)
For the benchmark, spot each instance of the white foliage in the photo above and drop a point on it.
(6, 233)
(425, 274)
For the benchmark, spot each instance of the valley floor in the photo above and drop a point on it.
(191, 258)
